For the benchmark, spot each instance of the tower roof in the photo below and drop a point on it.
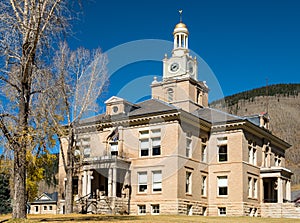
(180, 27)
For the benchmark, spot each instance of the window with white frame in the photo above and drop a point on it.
(250, 189)
(204, 185)
(150, 142)
(222, 185)
(203, 150)
(188, 184)
(45, 208)
(114, 148)
(157, 181)
(277, 160)
(142, 182)
(222, 149)
(155, 208)
(50, 208)
(255, 190)
(252, 152)
(142, 209)
(36, 208)
(221, 211)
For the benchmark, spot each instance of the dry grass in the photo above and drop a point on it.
(143, 219)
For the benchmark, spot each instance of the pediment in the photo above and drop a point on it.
(114, 99)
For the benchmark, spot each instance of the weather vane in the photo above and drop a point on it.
(180, 12)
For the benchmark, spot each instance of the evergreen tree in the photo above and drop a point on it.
(5, 200)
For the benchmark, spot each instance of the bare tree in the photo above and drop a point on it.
(81, 78)
(27, 29)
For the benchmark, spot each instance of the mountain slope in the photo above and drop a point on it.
(283, 106)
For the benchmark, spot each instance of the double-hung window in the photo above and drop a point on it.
(222, 186)
(142, 182)
(188, 182)
(222, 149)
(150, 143)
(157, 181)
(203, 186)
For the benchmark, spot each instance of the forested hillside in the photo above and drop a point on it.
(283, 106)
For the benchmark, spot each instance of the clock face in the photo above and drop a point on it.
(174, 67)
(115, 109)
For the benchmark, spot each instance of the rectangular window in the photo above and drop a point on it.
(203, 151)
(255, 188)
(45, 208)
(252, 152)
(155, 208)
(144, 144)
(222, 211)
(250, 187)
(203, 186)
(50, 208)
(142, 209)
(254, 156)
(189, 209)
(142, 181)
(114, 148)
(36, 208)
(222, 186)
(157, 181)
(223, 153)
(150, 143)
(188, 185)
(188, 147)
(86, 151)
(156, 146)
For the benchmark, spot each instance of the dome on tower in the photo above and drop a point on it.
(180, 27)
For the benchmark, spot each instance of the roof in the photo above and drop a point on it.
(46, 198)
(215, 116)
(152, 106)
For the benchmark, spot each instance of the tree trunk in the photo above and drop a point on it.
(19, 198)
(69, 191)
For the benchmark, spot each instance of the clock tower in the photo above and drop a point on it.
(180, 85)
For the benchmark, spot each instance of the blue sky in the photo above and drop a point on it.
(242, 42)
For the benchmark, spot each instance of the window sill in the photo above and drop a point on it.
(222, 196)
(188, 194)
(253, 198)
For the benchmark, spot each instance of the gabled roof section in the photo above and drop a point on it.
(113, 99)
(47, 198)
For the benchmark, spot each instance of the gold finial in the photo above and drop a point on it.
(180, 13)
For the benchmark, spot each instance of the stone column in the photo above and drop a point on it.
(84, 179)
(288, 190)
(114, 182)
(261, 190)
(109, 179)
(279, 190)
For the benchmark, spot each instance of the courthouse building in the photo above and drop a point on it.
(172, 154)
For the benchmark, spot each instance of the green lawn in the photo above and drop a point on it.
(145, 219)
